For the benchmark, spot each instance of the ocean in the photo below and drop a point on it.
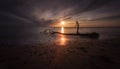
(31, 35)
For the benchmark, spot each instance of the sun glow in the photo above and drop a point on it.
(62, 23)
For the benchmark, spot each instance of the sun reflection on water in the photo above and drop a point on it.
(62, 37)
(62, 29)
(62, 40)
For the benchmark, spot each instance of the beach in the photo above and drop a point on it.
(75, 54)
(59, 34)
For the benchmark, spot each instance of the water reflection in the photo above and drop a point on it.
(62, 29)
(62, 40)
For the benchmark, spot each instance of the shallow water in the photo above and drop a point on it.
(36, 35)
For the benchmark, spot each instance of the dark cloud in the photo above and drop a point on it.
(110, 18)
(48, 11)
(92, 5)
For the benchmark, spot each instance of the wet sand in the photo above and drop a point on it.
(77, 54)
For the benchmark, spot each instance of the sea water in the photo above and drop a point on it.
(29, 35)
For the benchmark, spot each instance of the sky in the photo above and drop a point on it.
(89, 13)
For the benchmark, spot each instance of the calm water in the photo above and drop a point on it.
(105, 33)
(35, 34)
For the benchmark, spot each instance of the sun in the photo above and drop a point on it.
(62, 23)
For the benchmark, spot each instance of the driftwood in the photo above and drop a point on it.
(90, 35)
